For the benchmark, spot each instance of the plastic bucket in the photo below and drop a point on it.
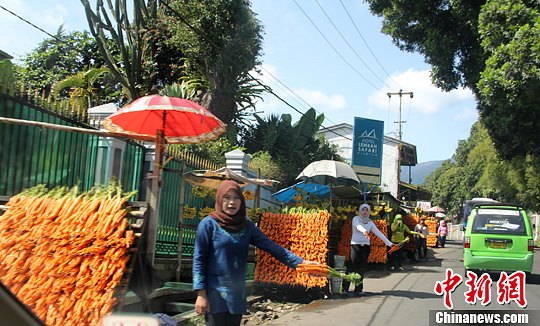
(339, 262)
(335, 284)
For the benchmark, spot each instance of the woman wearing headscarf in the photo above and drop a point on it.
(362, 225)
(220, 257)
(398, 235)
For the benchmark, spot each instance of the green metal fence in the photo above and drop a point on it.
(169, 209)
(32, 155)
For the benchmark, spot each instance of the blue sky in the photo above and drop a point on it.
(313, 56)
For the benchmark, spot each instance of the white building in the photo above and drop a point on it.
(342, 136)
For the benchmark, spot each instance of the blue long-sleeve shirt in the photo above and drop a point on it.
(219, 263)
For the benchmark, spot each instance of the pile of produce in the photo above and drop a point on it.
(63, 254)
(378, 248)
(411, 220)
(305, 233)
(344, 244)
(327, 271)
(432, 236)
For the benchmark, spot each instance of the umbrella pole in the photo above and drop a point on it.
(154, 197)
(181, 223)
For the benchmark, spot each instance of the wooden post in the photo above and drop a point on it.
(154, 197)
(181, 223)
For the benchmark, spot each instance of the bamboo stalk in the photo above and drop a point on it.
(102, 133)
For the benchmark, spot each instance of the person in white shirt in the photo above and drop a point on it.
(421, 244)
(360, 246)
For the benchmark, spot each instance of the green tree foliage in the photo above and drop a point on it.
(510, 84)
(112, 22)
(7, 76)
(82, 88)
(267, 165)
(489, 46)
(292, 147)
(444, 31)
(56, 58)
(221, 41)
(478, 171)
(213, 150)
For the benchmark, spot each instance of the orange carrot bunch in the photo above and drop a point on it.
(378, 248)
(432, 237)
(305, 233)
(411, 220)
(64, 254)
(344, 244)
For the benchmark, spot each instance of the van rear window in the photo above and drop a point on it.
(498, 221)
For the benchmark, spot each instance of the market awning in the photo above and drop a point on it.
(211, 179)
(287, 194)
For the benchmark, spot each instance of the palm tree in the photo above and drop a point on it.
(81, 88)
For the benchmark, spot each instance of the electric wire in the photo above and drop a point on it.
(367, 45)
(350, 46)
(200, 34)
(295, 94)
(334, 48)
(285, 86)
(30, 23)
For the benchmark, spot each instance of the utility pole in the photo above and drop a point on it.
(399, 122)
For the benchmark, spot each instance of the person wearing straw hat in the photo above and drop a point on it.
(362, 225)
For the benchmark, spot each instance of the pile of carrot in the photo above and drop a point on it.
(378, 248)
(326, 271)
(305, 233)
(344, 244)
(63, 253)
(411, 220)
(432, 236)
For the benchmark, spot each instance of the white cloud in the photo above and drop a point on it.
(301, 98)
(427, 98)
(53, 18)
(466, 114)
(321, 101)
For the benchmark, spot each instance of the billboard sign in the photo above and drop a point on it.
(367, 150)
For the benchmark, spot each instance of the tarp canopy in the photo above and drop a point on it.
(287, 194)
(211, 179)
(435, 209)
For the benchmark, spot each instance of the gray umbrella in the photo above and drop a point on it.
(327, 172)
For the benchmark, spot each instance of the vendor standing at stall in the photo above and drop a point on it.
(398, 236)
(362, 225)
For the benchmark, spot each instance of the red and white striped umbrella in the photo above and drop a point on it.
(182, 121)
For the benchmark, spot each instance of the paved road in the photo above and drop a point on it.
(405, 298)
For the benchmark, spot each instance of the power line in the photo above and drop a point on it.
(350, 46)
(286, 87)
(201, 35)
(298, 96)
(367, 45)
(335, 50)
(30, 23)
(302, 113)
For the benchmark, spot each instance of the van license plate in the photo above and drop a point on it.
(497, 245)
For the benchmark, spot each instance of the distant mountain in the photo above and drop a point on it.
(420, 171)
